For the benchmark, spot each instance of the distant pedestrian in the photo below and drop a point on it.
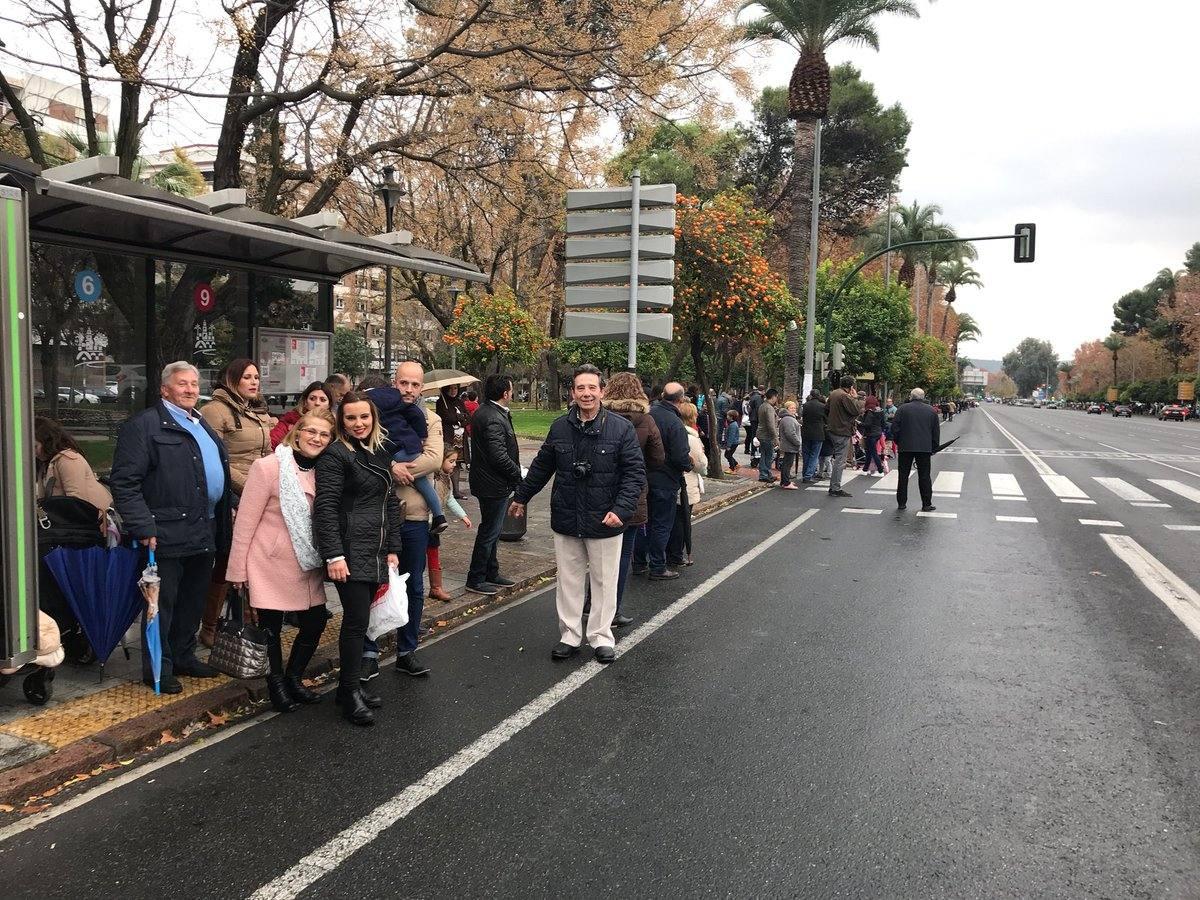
(768, 434)
(336, 385)
(844, 410)
(752, 403)
(812, 435)
(171, 484)
(789, 444)
(594, 458)
(358, 527)
(679, 548)
(733, 439)
(917, 432)
(495, 474)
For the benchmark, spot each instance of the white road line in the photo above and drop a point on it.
(887, 484)
(1030, 519)
(1125, 490)
(1005, 485)
(1168, 587)
(999, 497)
(1103, 523)
(1063, 487)
(329, 856)
(937, 515)
(1148, 459)
(947, 496)
(1032, 458)
(1077, 500)
(1156, 505)
(1179, 488)
(863, 512)
(1183, 527)
(948, 482)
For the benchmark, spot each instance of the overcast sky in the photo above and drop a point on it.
(1059, 112)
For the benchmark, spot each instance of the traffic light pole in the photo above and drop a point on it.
(1019, 237)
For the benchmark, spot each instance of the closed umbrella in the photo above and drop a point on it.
(101, 587)
(149, 586)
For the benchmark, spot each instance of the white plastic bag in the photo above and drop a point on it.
(389, 610)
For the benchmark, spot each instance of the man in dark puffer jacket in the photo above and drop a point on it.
(599, 474)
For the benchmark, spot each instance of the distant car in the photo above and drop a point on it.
(1125, 411)
(74, 395)
(1095, 408)
(1178, 413)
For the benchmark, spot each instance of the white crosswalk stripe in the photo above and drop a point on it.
(1178, 487)
(1183, 527)
(1125, 490)
(1103, 523)
(887, 484)
(1028, 519)
(865, 512)
(948, 483)
(1064, 488)
(1005, 486)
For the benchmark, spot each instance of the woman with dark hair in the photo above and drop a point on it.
(239, 416)
(871, 428)
(314, 397)
(357, 524)
(62, 470)
(451, 409)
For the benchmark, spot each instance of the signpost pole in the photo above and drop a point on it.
(635, 209)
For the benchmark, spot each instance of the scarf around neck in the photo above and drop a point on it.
(297, 514)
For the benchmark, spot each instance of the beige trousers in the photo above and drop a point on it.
(581, 560)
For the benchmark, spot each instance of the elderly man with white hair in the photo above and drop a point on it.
(917, 433)
(170, 483)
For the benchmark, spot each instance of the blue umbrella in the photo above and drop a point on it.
(101, 587)
(149, 584)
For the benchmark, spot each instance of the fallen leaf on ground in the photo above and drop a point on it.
(127, 762)
(217, 719)
(168, 738)
(31, 810)
(4, 808)
(51, 792)
(1101, 574)
(441, 623)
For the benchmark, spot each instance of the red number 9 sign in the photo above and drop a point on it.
(203, 297)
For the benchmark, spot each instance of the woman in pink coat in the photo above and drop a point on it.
(274, 554)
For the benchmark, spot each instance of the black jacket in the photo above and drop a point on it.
(159, 487)
(871, 424)
(495, 461)
(669, 476)
(755, 401)
(916, 428)
(356, 513)
(618, 474)
(812, 421)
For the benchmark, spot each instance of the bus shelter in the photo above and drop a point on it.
(104, 280)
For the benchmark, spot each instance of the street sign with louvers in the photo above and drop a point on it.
(620, 252)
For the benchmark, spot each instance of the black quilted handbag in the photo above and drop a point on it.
(239, 650)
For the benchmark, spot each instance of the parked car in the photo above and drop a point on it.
(74, 395)
(1125, 411)
(1095, 408)
(1174, 411)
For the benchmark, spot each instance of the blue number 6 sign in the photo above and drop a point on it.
(88, 286)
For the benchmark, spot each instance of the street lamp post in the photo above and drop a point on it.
(454, 292)
(390, 193)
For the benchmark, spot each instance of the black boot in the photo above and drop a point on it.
(369, 696)
(294, 674)
(277, 690)
(354, 708)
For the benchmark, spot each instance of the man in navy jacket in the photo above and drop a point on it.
(599, 474)
(170, 483)
(650, 552)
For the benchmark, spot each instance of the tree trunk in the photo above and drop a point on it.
(801, 187)
(791, 362)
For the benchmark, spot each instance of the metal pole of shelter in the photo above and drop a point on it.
(635, 206)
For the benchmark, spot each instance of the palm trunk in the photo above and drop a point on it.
(945, 318)
(791, 366)
(1114, 368)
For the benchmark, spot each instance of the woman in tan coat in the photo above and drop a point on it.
(239, 416)
(62, 470)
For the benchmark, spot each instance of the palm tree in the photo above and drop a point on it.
(180, 176)
(955, 273)
(1113, 343)
(1066, 367)
(812, 27)
(968, 331)
(909, 223)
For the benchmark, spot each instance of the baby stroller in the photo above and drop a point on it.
(755, 454)
(39, 674)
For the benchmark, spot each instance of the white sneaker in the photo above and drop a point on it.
(876, 474)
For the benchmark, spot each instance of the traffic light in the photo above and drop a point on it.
(1025, 235)
(836, 361)
(822, 360)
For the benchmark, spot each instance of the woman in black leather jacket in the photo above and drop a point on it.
(356, 524)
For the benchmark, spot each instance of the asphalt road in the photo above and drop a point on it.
(830, 703)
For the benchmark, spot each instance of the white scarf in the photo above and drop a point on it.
(297, 514)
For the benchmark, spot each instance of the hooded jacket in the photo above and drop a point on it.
(244, 428)
(613, 482)
(637, 411)
(789, 432)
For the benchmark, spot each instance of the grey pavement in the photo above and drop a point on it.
(876, 704)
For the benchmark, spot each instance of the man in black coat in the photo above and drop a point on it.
(599, 474)
(650, 550)
(812, 435)
(170, 483)
(495, 474)
(753, 402)
(917, 432)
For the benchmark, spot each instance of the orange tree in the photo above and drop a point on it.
(492, 328)
(727, 297)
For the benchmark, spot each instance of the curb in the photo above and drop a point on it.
(144, 732)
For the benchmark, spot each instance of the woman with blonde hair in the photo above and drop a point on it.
(679, 548)
(274, 555)
(357, 524)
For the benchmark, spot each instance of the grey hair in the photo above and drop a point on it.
(180, 365)
(916, 394)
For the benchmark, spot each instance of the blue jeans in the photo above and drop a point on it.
(423, 485)
(414, 537)
(767, 448)
(810, 452)
(651, 547)
(627, 542)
